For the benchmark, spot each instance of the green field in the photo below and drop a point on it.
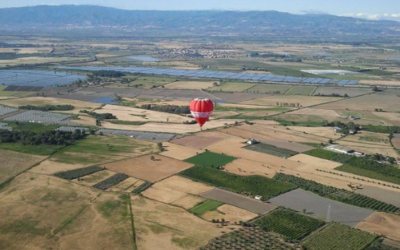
(248, 185)
(339, 237)
(233, 87)
(322, 153)
(202, 208)
(269, 88)
(383, 173)
(301, 90)
(210, 159)
(99, 149)
(32, 127)
(31, 149)
(290, 224)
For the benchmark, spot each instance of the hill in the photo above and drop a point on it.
(217, 23)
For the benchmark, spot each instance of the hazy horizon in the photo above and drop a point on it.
(375, 10)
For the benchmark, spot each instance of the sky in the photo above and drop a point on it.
(369, 9)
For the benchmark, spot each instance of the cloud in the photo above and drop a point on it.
(370, 16)
(314, 12)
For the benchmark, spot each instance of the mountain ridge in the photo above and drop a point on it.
(222, 22)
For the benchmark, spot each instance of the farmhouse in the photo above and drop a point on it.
(252, 142)
(338, 130)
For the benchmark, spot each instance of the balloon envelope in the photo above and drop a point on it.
(201, 110)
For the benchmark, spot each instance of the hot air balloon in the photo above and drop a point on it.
(201, 110)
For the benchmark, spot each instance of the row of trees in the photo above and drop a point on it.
(105, 116)
(48, 137)
(173, 109)
(48, 107)
(109, 74)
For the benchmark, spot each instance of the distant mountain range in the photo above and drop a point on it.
(112, 21)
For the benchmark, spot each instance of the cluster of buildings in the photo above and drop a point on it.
(196, 53)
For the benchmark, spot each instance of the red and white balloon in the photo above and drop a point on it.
(201, 110)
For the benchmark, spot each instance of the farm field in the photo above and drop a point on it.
(382, 224)
(251, 185)
(210, 159)
(351, 92)
(272, 150)
(270, 88)
(13, 163)
(366, 103)
(52, 203)
(102, 149)
(230, 214)
(317, 162)
(267, 132)
(317, 207)
(198, 141)
(250, 238)
(338, 237)
(341, 195)
(127, 185)
(304, 101)
(288, 145)
(290, 224)
(161, 226)
(189, 85)
(396, 143)
(179, 152)
(301, 90)
(141, 115)
(145, 168)
(204, 207)
(384, 173)
(317, 112)
(247, 167)
(43, 101)
(103, 224)
(175, 128)
(233, 87)
(150, 81)
(237, 200)
(383, 195)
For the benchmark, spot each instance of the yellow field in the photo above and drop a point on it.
(42, 101)
(189, 85)
(13, 163)
(304, 101)
(161, 226)
(142, 115)
(179, 152)
(230, 214)
(382, 224)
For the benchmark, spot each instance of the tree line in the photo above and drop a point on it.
(48, 107)
(48, 137)
(173, 109)
(105, 116)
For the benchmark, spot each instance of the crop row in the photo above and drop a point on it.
(337, 237)
(272, 150)
(142, 188)
(290, 224)
(111, 181)
(77, 173)
(249, 238)
(338, 194)
(247, 185)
